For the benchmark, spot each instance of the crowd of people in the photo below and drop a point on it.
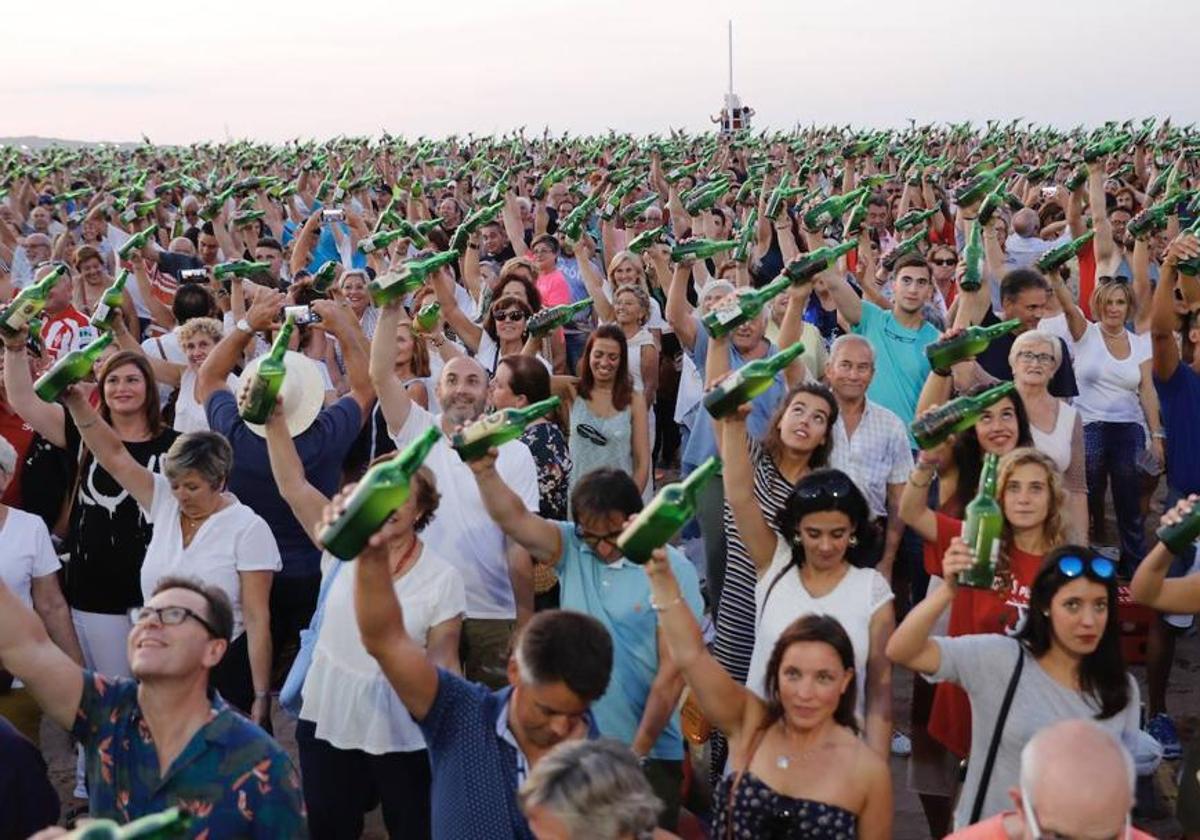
(491, 665)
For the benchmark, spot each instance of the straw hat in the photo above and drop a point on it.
(303, 392)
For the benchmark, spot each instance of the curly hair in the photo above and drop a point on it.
(211, 327)
(1054, 528)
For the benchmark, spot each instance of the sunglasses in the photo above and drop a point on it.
(510, 315)
(1120, 280)
(945, 262)
(826, 489)
(591, 434)
(1100, 568)
(594, 540)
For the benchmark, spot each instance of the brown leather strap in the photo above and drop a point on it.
(755, 741)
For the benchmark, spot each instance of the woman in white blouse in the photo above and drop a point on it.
(357, 741)
(201, 531)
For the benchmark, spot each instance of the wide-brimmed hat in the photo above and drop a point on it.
(303, 392)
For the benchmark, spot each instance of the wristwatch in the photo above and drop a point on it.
(244, 326)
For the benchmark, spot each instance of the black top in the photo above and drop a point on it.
(553, 459)
(760, 812)
(173, 263)
(28, 801)
(109, 534)
(995, 361)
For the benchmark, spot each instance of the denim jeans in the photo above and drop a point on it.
(1112, 450)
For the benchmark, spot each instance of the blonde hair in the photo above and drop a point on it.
(1054, 528)
(1104, 292)
(189, 329)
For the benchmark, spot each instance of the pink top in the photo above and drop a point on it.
(554, 289)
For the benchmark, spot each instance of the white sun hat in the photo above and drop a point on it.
(303, 392)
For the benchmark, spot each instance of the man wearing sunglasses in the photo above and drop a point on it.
(1052, 803)
(162, 738)
(639, 707)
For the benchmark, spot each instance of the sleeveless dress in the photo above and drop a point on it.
(599, 441)
(761, 813)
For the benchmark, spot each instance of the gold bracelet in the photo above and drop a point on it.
(657, 607)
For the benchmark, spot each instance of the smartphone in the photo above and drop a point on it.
(193, 275)
(333, 214)
(1049, 191)
(302, 315)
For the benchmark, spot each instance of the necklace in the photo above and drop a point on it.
(409, 553)
(1118, 334)
(785, 759)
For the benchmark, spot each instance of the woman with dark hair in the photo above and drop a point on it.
(609, 426)
(809, 556)
(1065, 662)
(798, 767)
(358, 744)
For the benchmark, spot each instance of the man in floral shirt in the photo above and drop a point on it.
(165, 739)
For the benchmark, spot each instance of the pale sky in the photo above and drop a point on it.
(190, 71)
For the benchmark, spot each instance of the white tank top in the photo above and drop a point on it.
(1057, 442)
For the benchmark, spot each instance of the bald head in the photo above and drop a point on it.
(1054, 762)
(182, 245)
(462, 390)
(1026, 223)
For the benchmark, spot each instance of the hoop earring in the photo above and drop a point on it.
(853, 541)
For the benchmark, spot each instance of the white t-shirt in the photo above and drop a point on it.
(488, 355)
(1108, 386)
(853, 602)
(461, 530)
(189, 414)
(27, 553)
(346, 693)
(165, 347)
(234, 539)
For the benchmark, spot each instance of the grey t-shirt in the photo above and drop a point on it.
(983, 664)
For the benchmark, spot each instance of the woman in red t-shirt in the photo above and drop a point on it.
(1030, 491)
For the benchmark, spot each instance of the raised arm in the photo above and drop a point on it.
(847, 301)
(1150, 585)
(27, 652)
(912, 645)
(306, 502)
(1076, 323)
(914, 501)
(540, 537)
(679, 312)
(1163, 320)
(393, 396)
(595, 286)
(738, 477)
(467, 330)
(108, 449)
(47, 419)
(340, 321)
(1103, 243)
(165, 373)
(230, 349)
(1140, 288)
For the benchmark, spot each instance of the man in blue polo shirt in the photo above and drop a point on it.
(639, 708)
(482, 743)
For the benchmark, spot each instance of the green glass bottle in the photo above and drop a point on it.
(778, 195)
(1106, 146)
(29, 302)
(915, 217)
(701, 249)
(139, 210)
(71, 368)
(983, 165)
(745, 236)
(904, 246)
(171, 823)
(427, 317)
(395, 285)
(671, 509)
(268, 379)
(727, 318)
(1180, 536)
(681, 172)
(857, 217)
(967, 344)
(137, 242)
(973, 255)
(1191, 267)
(572, 226)
(542, 322)
(823, 212)
(748, 381)
(982, 184)
(1078, 179)
(645, 239)
(210, 210)
(960, 414)
(1057, 257)
(379, 240)
(325, 276)
(473, 441)
(992, 202)
(381, 492)
(634, 211)
(813, 263)
(472, 223)
(982, 528)
(1152, 219)
(613, 204)
(106, 308)
(247, 217)
(705, 199)
(239, 268)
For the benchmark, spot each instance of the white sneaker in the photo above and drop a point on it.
(901, 744)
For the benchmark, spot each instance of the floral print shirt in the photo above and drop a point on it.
(232, 778)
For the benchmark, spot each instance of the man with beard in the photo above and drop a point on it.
(498, 572)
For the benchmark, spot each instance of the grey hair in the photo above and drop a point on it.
(596, 788)
(716, 287)
(1036, 337)
(847, 339)
(206, 453)
(1030, 757)
(8, 457)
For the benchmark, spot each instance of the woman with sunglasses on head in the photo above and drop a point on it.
(1064, 662)
(798, 767)
(352, 286)
(809, 553)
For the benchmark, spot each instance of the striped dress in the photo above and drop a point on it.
(737, 618)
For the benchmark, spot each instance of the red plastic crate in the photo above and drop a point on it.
(1135, 626)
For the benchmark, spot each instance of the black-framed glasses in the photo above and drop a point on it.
(512, 315)
(591, 434)
(594, 540)
(825, 489)
(170, 617)
(1101, 568)
(1040, 358)
(946, 262)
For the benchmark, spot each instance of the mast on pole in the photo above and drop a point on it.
(731, 57)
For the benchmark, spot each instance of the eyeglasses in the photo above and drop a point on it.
(591, 434)
(826, 489)
(169, 617)
(509, 315)
(594, 540)
(1101, 568)
(1035, 831)
(1121, 280)
(945, 262)
(1040, 358)
(542, 252)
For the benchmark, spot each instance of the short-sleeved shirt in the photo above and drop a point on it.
(618, 596)
(993, 829)
(234, 539)
(995, 361)
(462, 531)
(232, 776)
(702, 443)
(474, 791)
(28, 553)
(875, 456)
(901, 366)
(1179, 397)
(62, 333)
(19, 434)
(983, 665)
(322, 448)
